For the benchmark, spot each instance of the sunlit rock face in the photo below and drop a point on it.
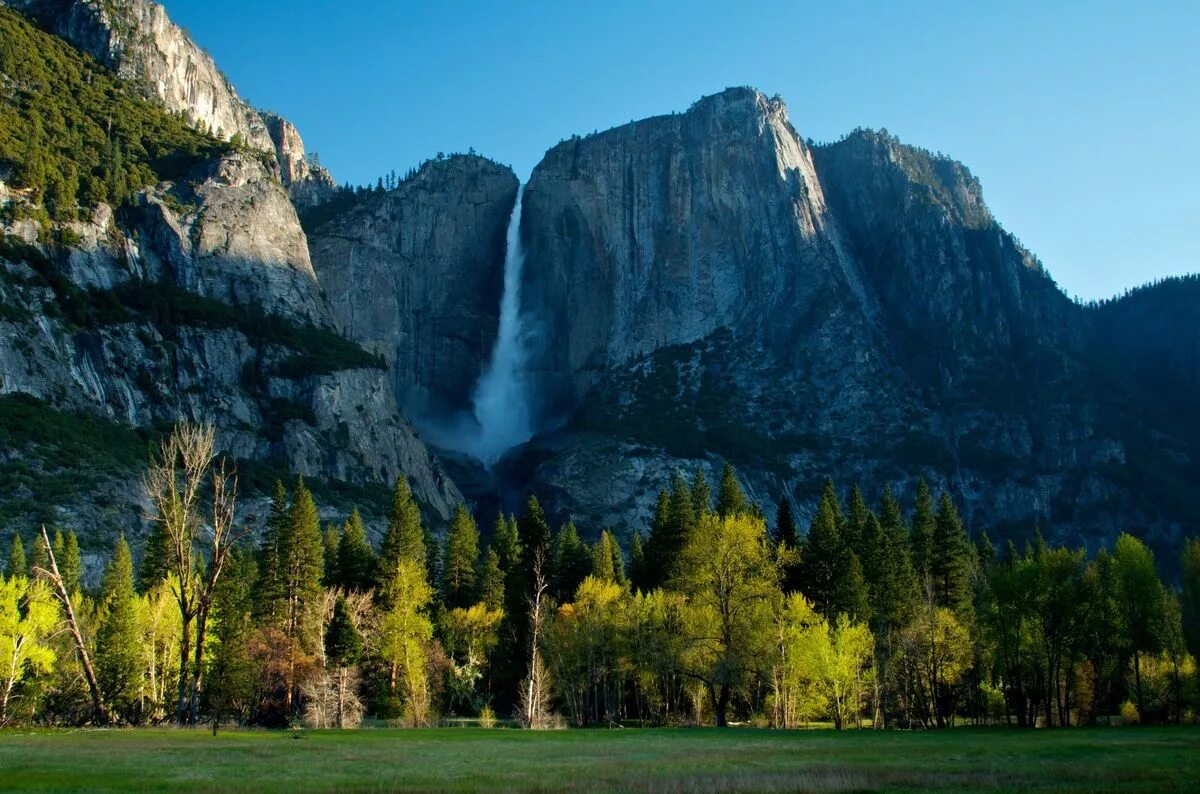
(137, 40)
(416, 274)
(709, 286)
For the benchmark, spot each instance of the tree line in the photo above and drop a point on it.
(874, 616)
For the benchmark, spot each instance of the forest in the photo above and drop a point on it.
(885, 616)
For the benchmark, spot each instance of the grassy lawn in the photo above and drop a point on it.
(472, 759)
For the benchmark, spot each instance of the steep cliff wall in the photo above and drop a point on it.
(710, 287)
(416, 274)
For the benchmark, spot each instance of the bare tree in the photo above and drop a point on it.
(99, 710)
(535, 689)
(186, 463)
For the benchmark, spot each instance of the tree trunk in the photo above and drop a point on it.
(198, 666)
(722, 706)
(1137, 674)
(185, 651)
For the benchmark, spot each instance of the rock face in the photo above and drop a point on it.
(308, 184)
(661, 232)
(416, 274)
(233, 235)
(196, 301)
(137, 40)
(711, 287)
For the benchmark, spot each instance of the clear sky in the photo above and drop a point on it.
(1082, 120)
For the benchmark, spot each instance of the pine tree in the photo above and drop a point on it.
(355, 558)
(491, 581)
(154, 566)
(922, 531)
(16, 558)
(572, 562)
(534, 532)
(460, 559)
(607, 563)
(233, 673)
(331, 539)
(118, 640)
(825, 558)
(637, 562)
(683, 517)
(731, 500)
(269, 587)
(70, 562)
(786, 533)
(701, 495)
(659, 556)
(949, 561)
(343, 643)
(856, 520)
(37, 558)
(405, 535)
(302, 565)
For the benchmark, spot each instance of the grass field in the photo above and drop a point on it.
(471, 759)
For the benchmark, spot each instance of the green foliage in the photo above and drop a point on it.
(56, 455)
(404, 538)
(75, 135)
(950, 559)
(355, 558)
(118, 640)
(343, 644)
(16, 557)
(731, 501)
(572, 561)
(460, 559)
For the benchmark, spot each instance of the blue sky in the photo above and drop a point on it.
(1082, 120)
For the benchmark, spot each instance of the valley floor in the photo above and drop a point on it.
(692, 760)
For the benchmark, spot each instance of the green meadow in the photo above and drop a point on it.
(683, 760)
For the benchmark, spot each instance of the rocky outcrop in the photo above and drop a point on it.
(137, 40)
(231, 233)
(308, 183)
(416, 273)
(158, 362)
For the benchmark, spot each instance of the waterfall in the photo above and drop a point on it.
(501, 401)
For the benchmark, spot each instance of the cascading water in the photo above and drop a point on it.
(501, 400)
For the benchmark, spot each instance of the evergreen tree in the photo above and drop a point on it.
(659, 556)
(786, 533)
(701, 495)
(572, 562)
(534, 532)
(830, 574)
(118, 638)
(331, 539)
(405, 535)
(460, 560)
(355, 558)
(269, 587)
(922, 532)
(232, 675)
(69, 560)
(154, 563)
(731, 500)
(637, 562)
(607, 563)
(16, 558)
(683, 517)
(343, 643)
(950, 559)
(491, 581)
(37, 558)
(506, 543)
(1190, 599)
(856, 520)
